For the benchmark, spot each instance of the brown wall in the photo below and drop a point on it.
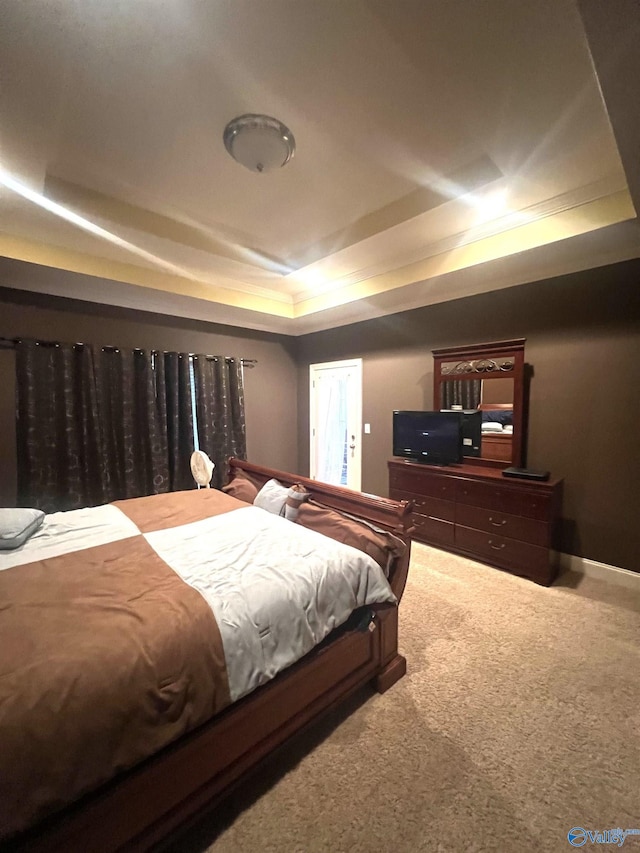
(270, 386)
(583, 343)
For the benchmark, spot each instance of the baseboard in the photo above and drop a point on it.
(600, 571)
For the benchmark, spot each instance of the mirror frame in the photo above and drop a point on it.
(495, 351)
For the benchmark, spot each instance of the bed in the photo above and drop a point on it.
(185, 717)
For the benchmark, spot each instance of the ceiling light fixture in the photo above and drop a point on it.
(258, 142)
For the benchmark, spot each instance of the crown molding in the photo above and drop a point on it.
(576, 198)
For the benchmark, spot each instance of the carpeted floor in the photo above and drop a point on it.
(519, 719)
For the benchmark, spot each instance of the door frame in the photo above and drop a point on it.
(355, 410)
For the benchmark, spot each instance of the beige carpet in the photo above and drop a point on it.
(519, 718)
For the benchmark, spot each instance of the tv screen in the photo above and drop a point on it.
(471, 430)
(432, 437)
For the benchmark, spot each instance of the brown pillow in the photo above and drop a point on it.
(241, 487)
(379, 544)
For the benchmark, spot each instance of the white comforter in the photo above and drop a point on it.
(275, 594)
(276, 588)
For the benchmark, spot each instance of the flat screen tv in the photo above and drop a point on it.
(431, 437)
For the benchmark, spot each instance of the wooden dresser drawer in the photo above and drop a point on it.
(520, 558)
(500, 497)
(434, 507)
(504, 524)
(422, 482)
(433, 529)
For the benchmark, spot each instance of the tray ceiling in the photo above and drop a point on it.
(443, 148)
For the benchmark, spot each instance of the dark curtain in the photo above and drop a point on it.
(134, 411)
(179, 419)
(220, 411)
(103, 426)
(461, 392)
(59, 437)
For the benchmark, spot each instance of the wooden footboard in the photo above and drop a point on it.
(142, 807)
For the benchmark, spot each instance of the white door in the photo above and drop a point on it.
(336, 422)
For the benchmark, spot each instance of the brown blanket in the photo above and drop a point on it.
(106, 656)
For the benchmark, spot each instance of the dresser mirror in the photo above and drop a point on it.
(486, 383)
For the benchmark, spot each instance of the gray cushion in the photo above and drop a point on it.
(272, 497)
(17, 525)
(281, 500)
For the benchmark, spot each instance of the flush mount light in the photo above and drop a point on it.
(258, 142)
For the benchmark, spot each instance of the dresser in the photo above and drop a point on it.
(475, 511)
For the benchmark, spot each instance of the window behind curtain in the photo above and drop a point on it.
(219, 402)
(97, 426)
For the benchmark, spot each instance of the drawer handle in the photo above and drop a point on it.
(496, 547)
(497, 523)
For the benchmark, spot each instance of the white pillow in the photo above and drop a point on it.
(281, 500)
(272, 497)
(17, 525)
(491, 426)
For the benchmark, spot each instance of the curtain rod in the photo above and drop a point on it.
(10, 343)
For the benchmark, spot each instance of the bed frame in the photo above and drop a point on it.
(148, 804)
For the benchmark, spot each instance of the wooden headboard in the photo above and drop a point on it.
(496, 407)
